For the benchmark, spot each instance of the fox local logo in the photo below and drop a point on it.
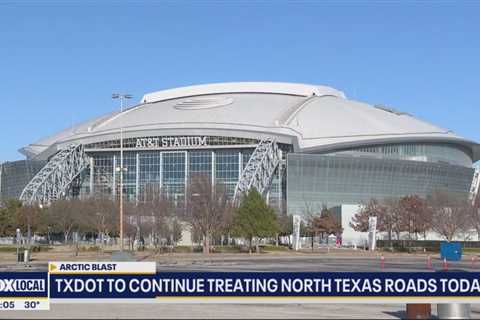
(22, 285)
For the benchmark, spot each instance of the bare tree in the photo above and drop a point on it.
(285, 223)
(372, 208)
(209, 210)
(29, 218)
(324, 223)
(64, 216)
(475, 215)
(155, 210)
(415, 215)
(450, 214)
(387, 213)
(131, 223)
(391, 221)
(102, 214)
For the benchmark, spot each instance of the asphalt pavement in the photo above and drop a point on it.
(316, 262)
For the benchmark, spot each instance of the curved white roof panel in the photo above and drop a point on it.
(296, 89)
(312, 118)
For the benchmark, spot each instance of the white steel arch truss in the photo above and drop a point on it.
(475, 185)
(53, 181)
(260, 169)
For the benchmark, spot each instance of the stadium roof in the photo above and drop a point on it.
(312, 118)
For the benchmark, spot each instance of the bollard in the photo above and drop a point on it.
(382, 262)
(473, 261)
(429, 262)
(26, 256)
(445, 264)
(453, 311)
(419, 310)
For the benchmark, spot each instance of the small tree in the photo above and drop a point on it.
(208, 208)
(156, 208)
(254, 218)
(8, 216)
(450, 214)
(475, 215)
(64, 216)
(325, 223)
(132, 223)
(285, 224)
(415, 216)
(387, 213)
(29, 218)
(102, 214)
(372, 208)
(391, 221)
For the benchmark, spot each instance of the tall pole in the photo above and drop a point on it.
(121, 174)
(121, 169)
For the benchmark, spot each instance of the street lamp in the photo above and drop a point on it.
(121, 96)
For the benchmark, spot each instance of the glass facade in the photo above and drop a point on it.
(303, 181)
(426, 152)
(173, 173)
(103, 173)
(147, 173)
(15, 175)
(227, 169)
(314, 180)
(308, 180)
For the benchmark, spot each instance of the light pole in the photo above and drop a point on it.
(121, 96)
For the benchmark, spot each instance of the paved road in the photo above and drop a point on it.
(306, 262)
(220, 311)
(212, 311)
(325, 263)
(292, 263)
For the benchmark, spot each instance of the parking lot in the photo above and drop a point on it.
(352, 261)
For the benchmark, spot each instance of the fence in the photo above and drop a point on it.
(420, 245)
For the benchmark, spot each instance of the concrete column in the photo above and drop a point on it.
(91, 175)
(186, 178)
(114, 176)
(161, 171)
(213, 168)
(240, 164)
(137, 176)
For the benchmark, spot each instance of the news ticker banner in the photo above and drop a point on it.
(112, 282)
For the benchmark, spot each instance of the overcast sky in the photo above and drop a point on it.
(59, 63)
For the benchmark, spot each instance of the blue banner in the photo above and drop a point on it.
(266, 284)
(240, 284)
(23, 284)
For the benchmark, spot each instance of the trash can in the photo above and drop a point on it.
(453, 311)
(419, 311)
(451, 251)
